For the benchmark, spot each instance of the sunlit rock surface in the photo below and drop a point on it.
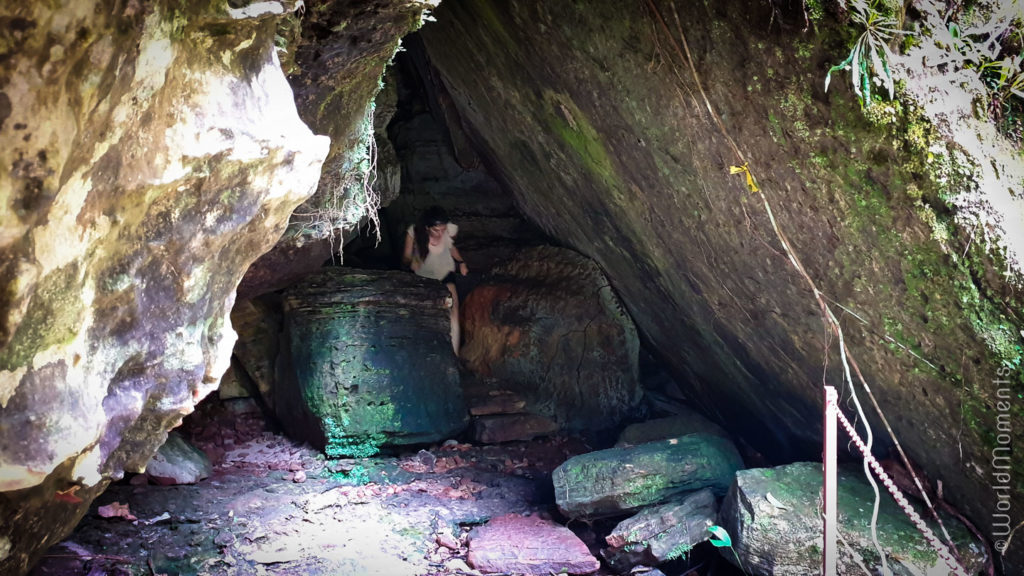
(148, 154)
(369, 363)
(592, 116)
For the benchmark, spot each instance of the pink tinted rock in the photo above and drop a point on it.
(528, 545)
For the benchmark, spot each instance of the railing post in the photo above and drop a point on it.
(828, 565)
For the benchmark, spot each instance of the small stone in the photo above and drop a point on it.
(426, 458)
(299, 477)
(225, 538)
(447, 540)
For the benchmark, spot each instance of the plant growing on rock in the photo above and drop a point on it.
(992, 46)
(720, 539)
(346, 194)
(869, 59)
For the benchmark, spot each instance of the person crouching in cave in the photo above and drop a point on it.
(430, 252)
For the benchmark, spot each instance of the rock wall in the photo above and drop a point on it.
(149, 152)
(591, 115)
(338, 52)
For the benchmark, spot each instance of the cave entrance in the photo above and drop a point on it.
(254, 498)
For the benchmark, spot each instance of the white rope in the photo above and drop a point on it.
(901, 500)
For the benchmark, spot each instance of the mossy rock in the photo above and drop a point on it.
(783, 534)
(623, 479)
(372, 362)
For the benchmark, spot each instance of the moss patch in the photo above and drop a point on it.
(54, 317)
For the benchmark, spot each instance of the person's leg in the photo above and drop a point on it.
(454, 317)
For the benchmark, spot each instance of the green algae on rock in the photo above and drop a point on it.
(628, 478)
(369, 361)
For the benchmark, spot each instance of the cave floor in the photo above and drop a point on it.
(405, 513)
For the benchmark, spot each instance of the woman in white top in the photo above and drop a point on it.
(430, 252)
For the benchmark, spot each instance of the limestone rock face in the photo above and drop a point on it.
(592, 118)
(148, 154)
(782, 535)
(622, 479)
(339, 57)
(548, 323)
(370, 362)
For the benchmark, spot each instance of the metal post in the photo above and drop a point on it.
(829, 471)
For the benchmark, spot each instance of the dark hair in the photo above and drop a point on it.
(433, 216)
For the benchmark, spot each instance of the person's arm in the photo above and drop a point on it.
(407, 259)
(460, 264)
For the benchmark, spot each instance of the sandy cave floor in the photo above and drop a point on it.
(401, 514)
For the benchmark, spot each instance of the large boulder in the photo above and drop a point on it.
(667, 531)
(773, 516)
(549, 323)
(906, 214)
(623, 479)
(149, 152)
(369, 362)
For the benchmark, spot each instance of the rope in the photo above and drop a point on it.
(828, 318)
(900, 499)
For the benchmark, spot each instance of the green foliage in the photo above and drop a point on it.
(720, 539)
(680, 551)
(814, 10)
(869, 59)
(286, 38)
(992, 46)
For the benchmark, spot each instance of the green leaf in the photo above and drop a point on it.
(721, 539)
